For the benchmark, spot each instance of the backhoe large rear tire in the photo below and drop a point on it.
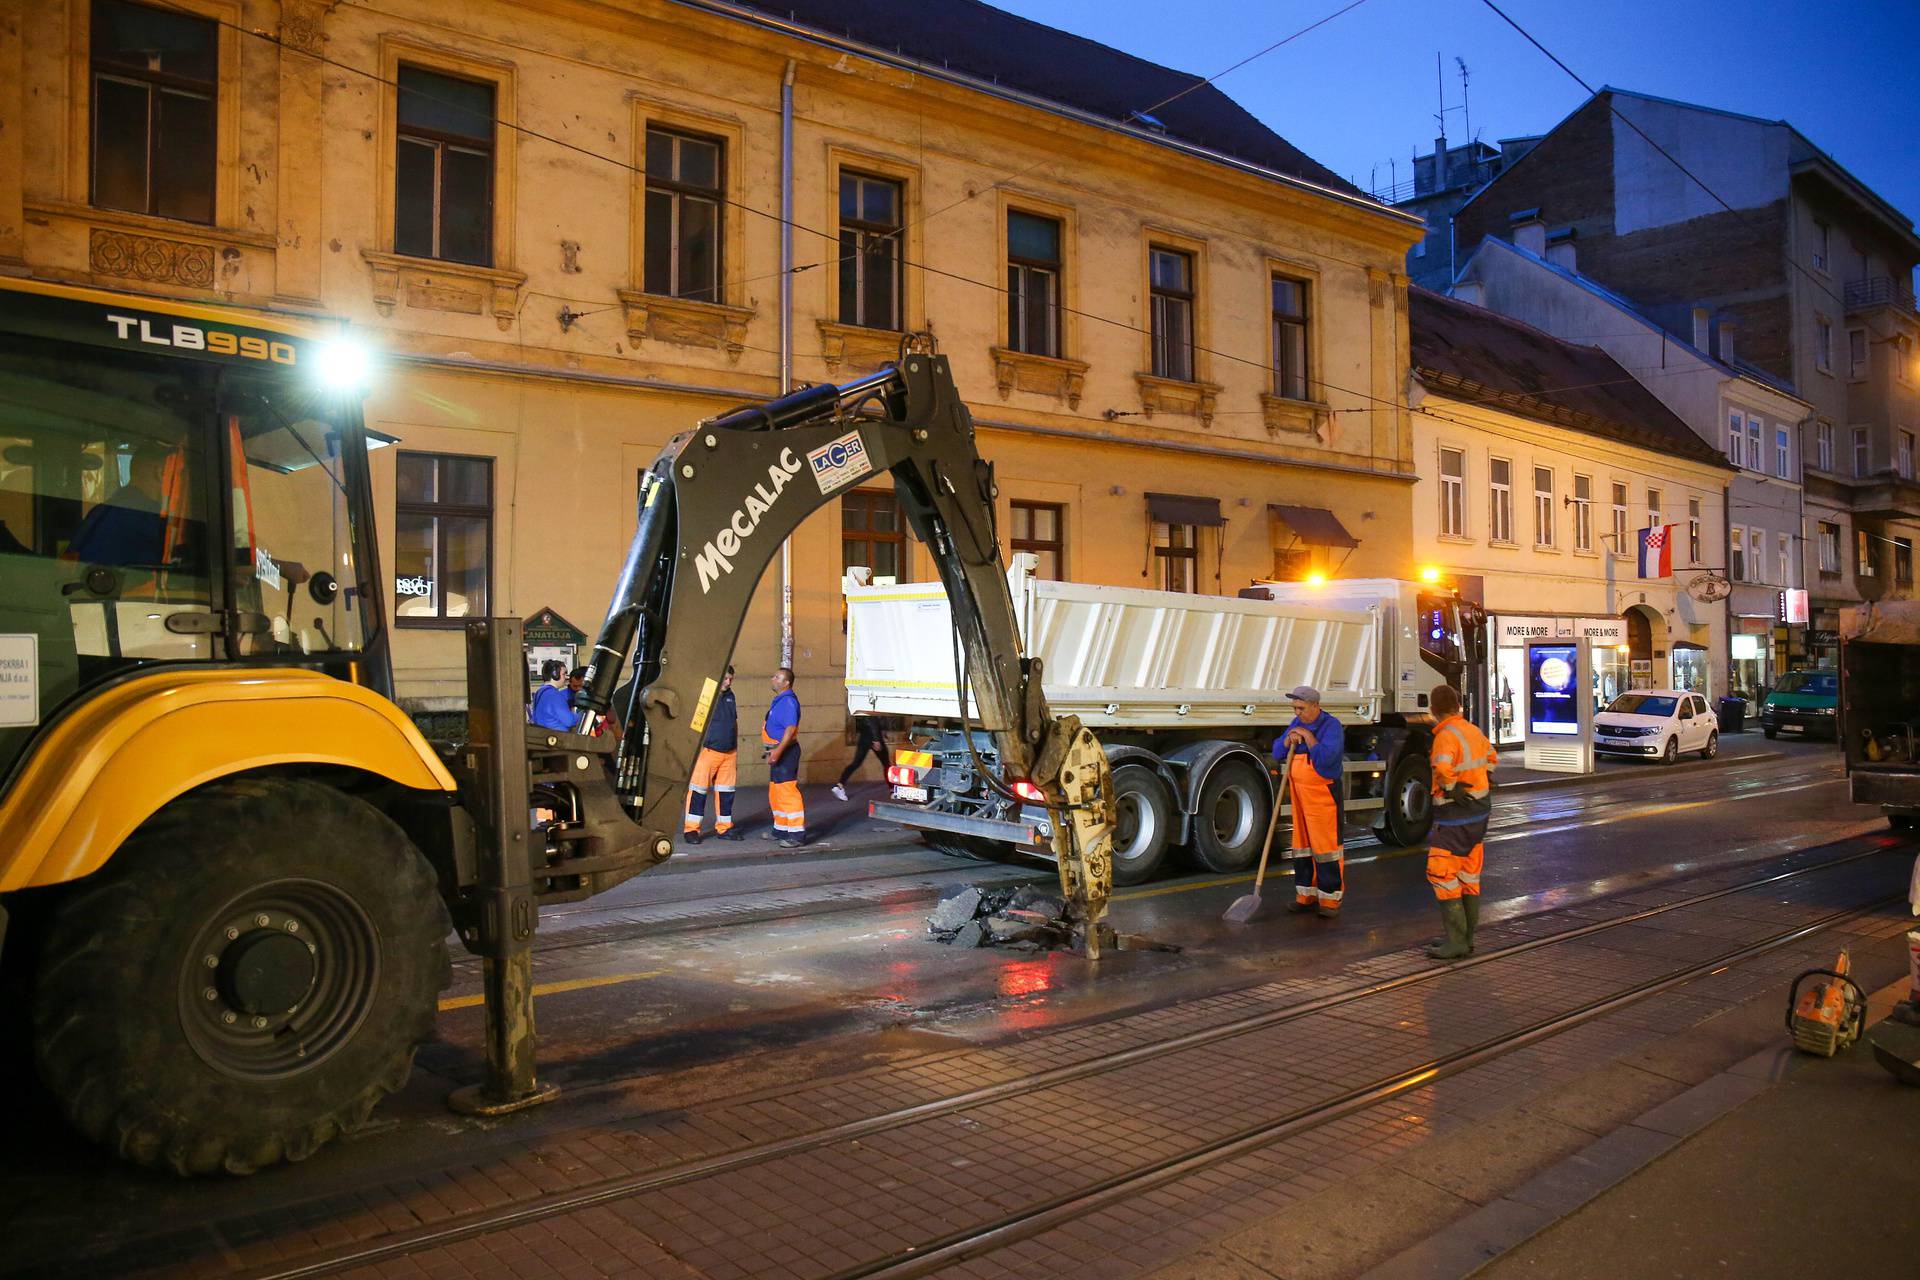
(246, 978)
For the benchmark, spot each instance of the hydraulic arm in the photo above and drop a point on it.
(714, 509)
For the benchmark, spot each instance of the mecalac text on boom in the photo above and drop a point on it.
(716, 558)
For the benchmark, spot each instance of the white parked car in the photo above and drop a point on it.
(1657, 724)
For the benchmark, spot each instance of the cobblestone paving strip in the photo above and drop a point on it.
(983, 1158)
(832, 1208)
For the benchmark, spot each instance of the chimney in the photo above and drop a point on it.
(1726, 340)
(1528, 231)
(1469, 292)
(1702, 329)
(1560, 249)
(1440, 163)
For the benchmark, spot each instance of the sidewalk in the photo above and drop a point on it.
(842, 828)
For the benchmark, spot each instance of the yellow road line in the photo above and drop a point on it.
(554, 988)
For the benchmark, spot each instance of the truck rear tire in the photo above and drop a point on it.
(1409, 799)
(245, 980)
(1143, 811)
(1230, 821)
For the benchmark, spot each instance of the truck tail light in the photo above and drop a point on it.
(903, 775)
(1027, 791)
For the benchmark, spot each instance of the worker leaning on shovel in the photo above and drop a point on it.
(1463, 762)
(1319, 859)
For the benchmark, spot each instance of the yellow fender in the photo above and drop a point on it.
(104, 768)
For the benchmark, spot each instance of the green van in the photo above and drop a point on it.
(1803, 702)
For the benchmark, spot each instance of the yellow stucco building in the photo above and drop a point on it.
(573, 229)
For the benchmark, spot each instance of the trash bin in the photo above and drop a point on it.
(1733, 715)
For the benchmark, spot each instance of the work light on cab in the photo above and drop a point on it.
(342, 365)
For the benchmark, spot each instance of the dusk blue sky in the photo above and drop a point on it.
(1361, 89)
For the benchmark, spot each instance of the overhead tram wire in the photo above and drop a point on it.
(832, 237)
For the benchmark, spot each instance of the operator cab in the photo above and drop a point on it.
(175, 487)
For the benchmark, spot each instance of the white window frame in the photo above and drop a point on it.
(1786, 560)
(1782, 452)
(1829, 547)
(1862, 453)
(1499, 501)
(1693, 531)
(1737, 569)
(1903, 456)
(1582, 513)
(1822, 344)
(1620, 519)
(1819, 254)
(1543, 509)
(1653, 508)
(1757, 554)
(1736, 434)
(1856, 352)
(1453, 493)
(1754, 429)
(1823, 445)
(1863, 554)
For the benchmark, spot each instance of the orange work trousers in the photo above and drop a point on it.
(1457, 852)
(1319, 859)
(715, 771)
(789, 810)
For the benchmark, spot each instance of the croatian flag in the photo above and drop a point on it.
(1656, 551)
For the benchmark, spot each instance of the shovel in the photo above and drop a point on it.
(1245, 908)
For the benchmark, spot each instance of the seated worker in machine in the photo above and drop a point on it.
(1319, 858)
(129, 528)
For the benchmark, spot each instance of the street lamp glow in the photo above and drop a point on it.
(342, 365)
(1430, 573)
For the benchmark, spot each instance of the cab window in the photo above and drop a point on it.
(292, 579)
(105, 495)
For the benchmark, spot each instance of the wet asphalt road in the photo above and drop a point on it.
(730, 977)
(642, 999)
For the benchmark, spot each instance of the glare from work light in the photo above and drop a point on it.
(342, 365)
(1430, 573)
(1316, 579)
(1620, 648)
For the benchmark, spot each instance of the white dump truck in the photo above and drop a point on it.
(1186, 692)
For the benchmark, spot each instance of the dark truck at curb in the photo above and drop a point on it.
(1879, 708)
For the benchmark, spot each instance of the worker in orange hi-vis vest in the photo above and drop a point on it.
(1463, 762)
(1318, 743)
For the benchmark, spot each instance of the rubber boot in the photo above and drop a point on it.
(1454, 916)
(1302, 874)
(1470, 902)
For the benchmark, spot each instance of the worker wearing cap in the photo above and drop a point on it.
(1463, 762)
(1319, 750)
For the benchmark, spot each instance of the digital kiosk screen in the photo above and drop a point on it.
(1552, 707)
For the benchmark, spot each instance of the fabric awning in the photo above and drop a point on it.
(1184, 508)
(1315, 526)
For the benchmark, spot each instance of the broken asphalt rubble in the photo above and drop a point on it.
(1025, 918)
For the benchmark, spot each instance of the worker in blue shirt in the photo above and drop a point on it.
(1319, 754)
(553, 704)
(779, 735)
(129, 528)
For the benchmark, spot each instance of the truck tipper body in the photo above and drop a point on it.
(1187, 694)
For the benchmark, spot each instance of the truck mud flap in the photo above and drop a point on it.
(908, 815)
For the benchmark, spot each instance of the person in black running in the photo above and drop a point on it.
(873, 738)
